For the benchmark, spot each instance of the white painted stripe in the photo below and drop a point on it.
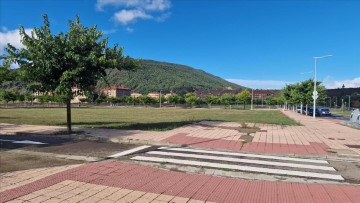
(249, 161)
(240, 168)
(23, 141)
(127, 152)
(246, 155)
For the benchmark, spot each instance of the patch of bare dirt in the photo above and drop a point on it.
(15, 162)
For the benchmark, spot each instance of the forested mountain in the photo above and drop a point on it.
(156, 76)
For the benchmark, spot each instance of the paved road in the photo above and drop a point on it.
(61, 145)
(20, 141)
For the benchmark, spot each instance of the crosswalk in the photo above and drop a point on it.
(245, 162)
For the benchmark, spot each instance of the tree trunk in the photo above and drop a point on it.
(68, 116)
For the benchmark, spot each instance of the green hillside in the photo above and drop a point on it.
(156, 76)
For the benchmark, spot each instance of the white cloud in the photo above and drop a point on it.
(151, 5)
(157, 5)
(129, 29)
(128, 16)
(13, 37)
(261, 84)
(134, 10)
(330, 83)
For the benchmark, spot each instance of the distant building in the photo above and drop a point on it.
(263, 94)
(154, 95)
(136, 95)
(79, 95)
(116, 91)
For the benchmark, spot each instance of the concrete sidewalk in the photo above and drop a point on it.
(114, 181)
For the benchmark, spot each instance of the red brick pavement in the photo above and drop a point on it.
(259, 147)
(195, 186)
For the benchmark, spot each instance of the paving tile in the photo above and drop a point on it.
(76, 198)
(90, 200)
(133, 196)
(165, 198)
(179, 200)
(195, 201)
(40, 198)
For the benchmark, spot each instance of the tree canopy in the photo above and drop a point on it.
(76, 58)
(301, 93)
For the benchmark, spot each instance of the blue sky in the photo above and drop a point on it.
(259, 44)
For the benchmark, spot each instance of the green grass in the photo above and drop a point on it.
(340, 112)
(138, 118)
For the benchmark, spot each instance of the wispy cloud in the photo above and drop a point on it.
(261, 84)
(131, 11)
(11, 36)
(129, 29)
(150, 5)
(106, 32)
(128, 16)
(330, 83)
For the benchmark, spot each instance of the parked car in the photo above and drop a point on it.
(298, 109)
(324, 111)
(304, 110)
(311, 111)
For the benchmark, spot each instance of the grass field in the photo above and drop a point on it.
(138, 118)
(340, 112)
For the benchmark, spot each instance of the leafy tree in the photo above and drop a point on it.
(129, 99)
(7, 96)
(192, 99)
(271, 101)
(211, 100)
(29, 97)
(77, 58)
(355, 100)
(20, 97)
(43, 98)
(163, 99)
(301, 93)
(174, 99)
(145, 100)
(6, 74)
(243, 97)
(227, 99)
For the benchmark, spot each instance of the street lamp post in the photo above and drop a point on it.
(160, 98)
(349, 101)
(315, 93)
(252, 98)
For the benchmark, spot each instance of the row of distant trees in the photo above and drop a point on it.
(227, 99)
(190, 98)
